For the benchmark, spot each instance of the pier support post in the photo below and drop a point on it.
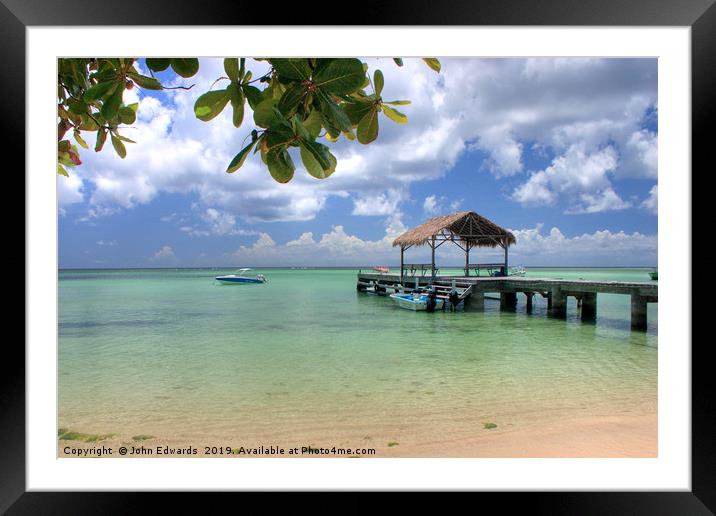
(559, 302)
(529, 296)
(549, 300)
(638, 311)
(508, 300)
(589, 306)
(477, 300)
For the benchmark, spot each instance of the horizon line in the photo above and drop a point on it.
(347, 267)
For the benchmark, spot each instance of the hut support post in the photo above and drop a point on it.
(467, 258)
(506, 245)
(638, 311)
(589, 306)
(559, 302)
(402, 253)
(432, 246)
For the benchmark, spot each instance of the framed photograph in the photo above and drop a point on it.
(421, 255)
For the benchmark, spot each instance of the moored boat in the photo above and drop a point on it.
(654, 275)
(417, 301)
(234, 279)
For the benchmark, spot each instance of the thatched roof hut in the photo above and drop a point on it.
(464, 226)
(466, 229)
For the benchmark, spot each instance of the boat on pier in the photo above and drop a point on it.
(418, 301)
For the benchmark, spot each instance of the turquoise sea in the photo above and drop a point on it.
(168, 353)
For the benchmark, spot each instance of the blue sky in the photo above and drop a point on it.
(563, 152)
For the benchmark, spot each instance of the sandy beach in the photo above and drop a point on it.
(587, 437)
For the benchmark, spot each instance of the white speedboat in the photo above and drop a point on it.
(416, 301)
(518, 271)
(242, 278)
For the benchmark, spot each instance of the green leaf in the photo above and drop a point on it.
(368, 127)
(433, 63)
(62, 171)
(357, 110)
(313, 123)
(101, 138)
(185, 66)
(110, 107)
(77, 107)
(341, 76)
(133, 106)
(231, 67)
(334, 113)
(210, 104)
(240, 158)
(332, 132)
(398, 102)
(280, 165)
(148, 83)
(321, 63)
(299, 129)
(88, 123)
(264, 114)
(398, 61)
(378, 82)
(78, 139)
(64, 159)
(312, 166)
(99, 90)
(127, 115)
(253, 95)
(319, 152)
(279, 136)
(118, 146)
(237, 103)
(291, 69)
(64, 146)
(123, 138)
(291, 99)
(395, 115)
(157, 64)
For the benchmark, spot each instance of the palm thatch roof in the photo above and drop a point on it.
(464, 226)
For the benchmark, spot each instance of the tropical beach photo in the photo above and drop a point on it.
(366, 257)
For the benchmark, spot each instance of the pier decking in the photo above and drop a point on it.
(473, 290)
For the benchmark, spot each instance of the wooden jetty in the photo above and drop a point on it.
(468, 231)
(472, 289)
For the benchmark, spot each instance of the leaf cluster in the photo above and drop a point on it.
(300, 103)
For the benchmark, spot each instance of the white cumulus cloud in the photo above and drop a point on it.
(584, 112)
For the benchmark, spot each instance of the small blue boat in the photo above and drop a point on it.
(417, 301)
(233, 279)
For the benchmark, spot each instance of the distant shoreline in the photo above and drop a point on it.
(346, 267)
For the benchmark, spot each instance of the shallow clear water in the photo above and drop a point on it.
(171, 354)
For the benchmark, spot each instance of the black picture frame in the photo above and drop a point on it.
(700, 15)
